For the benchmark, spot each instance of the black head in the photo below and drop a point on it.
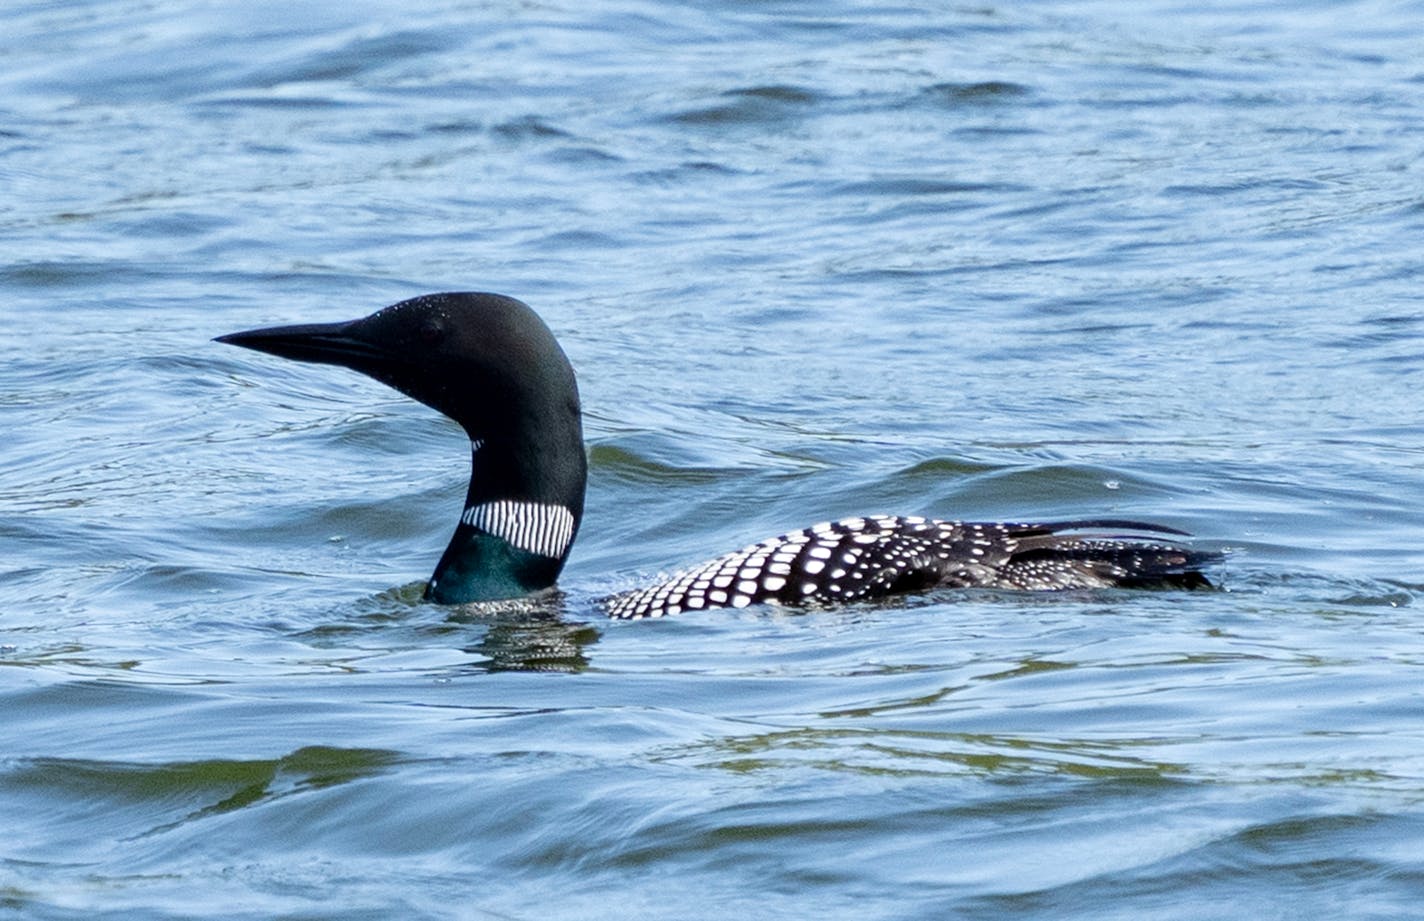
(489, 363)
(484, 360)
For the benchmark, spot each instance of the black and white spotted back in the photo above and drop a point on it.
(858, 558)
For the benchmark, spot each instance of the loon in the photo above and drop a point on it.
(491, 364)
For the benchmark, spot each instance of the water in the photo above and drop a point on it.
(810, 260)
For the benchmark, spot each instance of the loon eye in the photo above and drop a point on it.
(432, 332)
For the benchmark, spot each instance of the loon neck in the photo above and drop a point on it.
(522, 512)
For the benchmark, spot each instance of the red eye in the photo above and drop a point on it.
(432, 332)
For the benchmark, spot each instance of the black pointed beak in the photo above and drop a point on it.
(326, 343)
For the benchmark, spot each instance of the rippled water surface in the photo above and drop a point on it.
(810, 260)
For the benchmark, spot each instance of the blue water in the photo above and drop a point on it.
(810, 260)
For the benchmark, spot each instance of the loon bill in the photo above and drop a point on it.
(488, 362)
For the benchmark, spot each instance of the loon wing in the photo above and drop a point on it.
(858, 558)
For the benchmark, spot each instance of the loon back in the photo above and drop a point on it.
(490, 363)
(859, 558)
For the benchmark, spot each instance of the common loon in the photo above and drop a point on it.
(488, 362)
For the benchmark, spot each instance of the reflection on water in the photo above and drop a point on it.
(527, 634)
(535, 646)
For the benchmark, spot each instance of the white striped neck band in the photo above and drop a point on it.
(535, 527)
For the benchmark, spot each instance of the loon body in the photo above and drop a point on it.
(490, 363)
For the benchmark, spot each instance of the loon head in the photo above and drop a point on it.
(489, 363)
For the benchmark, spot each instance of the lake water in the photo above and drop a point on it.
(810, 260)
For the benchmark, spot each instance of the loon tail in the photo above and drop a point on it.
(1103, 553)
